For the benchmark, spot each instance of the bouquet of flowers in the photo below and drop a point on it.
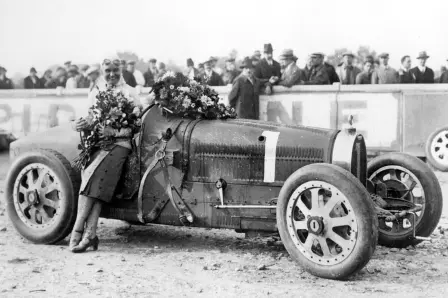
(112, 108)
(183, 97)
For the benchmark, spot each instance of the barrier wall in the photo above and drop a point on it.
(391, 117)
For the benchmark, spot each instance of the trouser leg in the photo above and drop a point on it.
(92, 220)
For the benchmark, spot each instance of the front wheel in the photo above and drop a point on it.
(436, 149)
(326, 221)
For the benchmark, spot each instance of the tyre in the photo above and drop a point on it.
(326, 221)
(436, 149)
(413, 183)
(41, 196)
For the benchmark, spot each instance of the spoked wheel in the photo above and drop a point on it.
(437, 149)
(326, 221)
(37, 196)
(41, 192)
(408, 186)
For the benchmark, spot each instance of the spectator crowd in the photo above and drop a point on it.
(269, 72)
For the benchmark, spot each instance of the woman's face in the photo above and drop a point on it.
(112, 71)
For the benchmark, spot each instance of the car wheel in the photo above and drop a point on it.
(41, 196)
(326, 221)
(436, 149)
(406, 177)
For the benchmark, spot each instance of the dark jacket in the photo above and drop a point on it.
(29, 84)
(364, 78)
(444, 78)
(213, 80)
(6, 84)
(423, 78)
(264, 71)
(244, 97)
(318, 76)
(331, 71)
(149, 78)
(406, 77)
(129, 78)
(48, 84)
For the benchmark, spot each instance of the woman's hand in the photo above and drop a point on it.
(80, 124)
(105, 131)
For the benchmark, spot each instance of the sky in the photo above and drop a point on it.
(47, 32)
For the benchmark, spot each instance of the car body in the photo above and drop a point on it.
(246, 175)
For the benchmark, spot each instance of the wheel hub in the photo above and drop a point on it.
(315, 225)
(33, 197)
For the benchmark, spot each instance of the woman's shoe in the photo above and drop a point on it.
(85, 244)
(75, 239)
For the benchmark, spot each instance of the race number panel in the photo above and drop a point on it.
(270, 151)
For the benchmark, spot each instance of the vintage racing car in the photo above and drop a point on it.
(311, 185)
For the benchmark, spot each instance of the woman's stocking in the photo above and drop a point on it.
(92, 220)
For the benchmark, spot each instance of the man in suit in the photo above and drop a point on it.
(231, 73)
(405, 76)
(318, 74)
(422, 73)
(210, 77)
(139, 78)
(32, 81)
(93, 74)
(191, 72)
(365, 77)
(244, 96)
(331, 71)
(292, 74)
(5, 82)
(384, 74)
(347, 72)
(444, 76)
(151, 74)
(127, 76)
(268, 71)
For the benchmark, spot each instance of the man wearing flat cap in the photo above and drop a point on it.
(318, 74)
(32, 81)
(422, 73)
(347, 72)
(268, 71)
(191, 71)
(210, 77)
(384, 74)
(5, 83)
(151, 74)
(231, 73)
(139, 79)
(292, 74)
(244, 96)
(127, 76)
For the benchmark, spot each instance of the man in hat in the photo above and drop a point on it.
(161, 70)
(127, 76)
(139, 79)
(444, 76)
(292, 74)
(93, 73)
(405, 76)
(47, 80)
(32, 81)
(365, 77)
(201, 70)
(72, 74)
(83, 81)
(318, 74)
(210, 77)
(422, 73)
(347, 72)
(384, 74)
(151, 74)
(191, 71)
(268, 71)
(5, 83)
(214, 60)
(244, 96)
(67, 65)
(231, 73)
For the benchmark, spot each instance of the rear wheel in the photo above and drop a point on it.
(436, 149)
(326, 221)
(406, 182)
(41, 195)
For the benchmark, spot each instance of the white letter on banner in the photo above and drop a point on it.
(270, 151)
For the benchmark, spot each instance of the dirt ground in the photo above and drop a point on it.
(163, 261)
